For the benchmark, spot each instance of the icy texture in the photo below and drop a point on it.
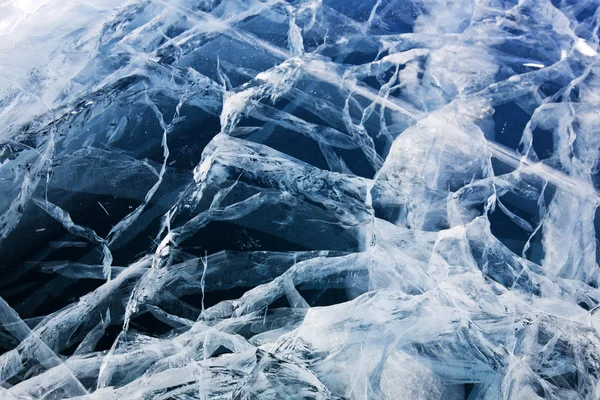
(304, 199)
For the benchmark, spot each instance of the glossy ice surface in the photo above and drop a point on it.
(304, 199)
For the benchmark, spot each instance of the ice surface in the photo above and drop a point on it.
(301, 199)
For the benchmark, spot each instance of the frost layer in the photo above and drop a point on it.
(304, 199)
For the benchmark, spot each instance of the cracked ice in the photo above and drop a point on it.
(299, 199)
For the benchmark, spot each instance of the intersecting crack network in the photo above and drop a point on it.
(299, 199)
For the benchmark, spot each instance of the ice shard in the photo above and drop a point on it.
(299, 199)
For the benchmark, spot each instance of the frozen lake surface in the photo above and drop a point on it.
(302, 199)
